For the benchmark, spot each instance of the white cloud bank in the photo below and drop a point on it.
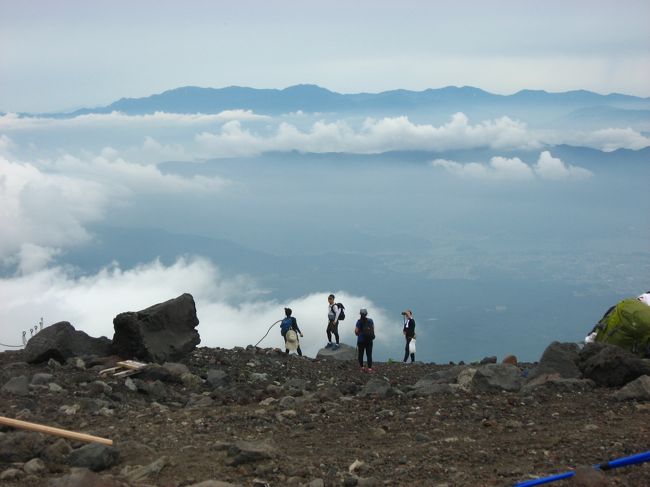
(231, 134)
(514, 169)
(45, 205)
(90, 303)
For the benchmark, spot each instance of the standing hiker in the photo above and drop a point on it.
(289, 324)
(409, 333)
(365, 332)
(332, 323)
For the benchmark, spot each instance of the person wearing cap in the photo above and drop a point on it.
(332, 323)
(365, 332)
(409, 333)
(291, 341)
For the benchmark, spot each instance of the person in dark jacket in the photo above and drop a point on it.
(289, 323)
(365, 332)
(409, 333)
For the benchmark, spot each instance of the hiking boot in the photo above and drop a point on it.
(370, 370)
(363, 369)
(336, 346)
(329, 345)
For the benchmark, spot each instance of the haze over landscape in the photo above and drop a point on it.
(496, 184)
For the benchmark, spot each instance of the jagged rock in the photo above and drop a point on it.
(61, 341)
(153, 372)
(344, 352)
(20, 446)
(638, 389)
(11, 474)
(425, 387)
(41, 378)
(163, 332)
(17, 385)
(493, 377)
(611, 366)
(94, 456)
(559, 358)
(136, 473)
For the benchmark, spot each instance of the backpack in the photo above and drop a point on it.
(627, 325)
(368, 329)
(341, 310)
(285, 326)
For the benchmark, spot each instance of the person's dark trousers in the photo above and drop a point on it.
(406, 350)
(367, 347)
(332, 329)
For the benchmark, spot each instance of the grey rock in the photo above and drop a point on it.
(99, 387)
(176, 369)
(18, 386)
(216, 377)
(11, 474)
(130, 385)
(41, 378)
(425, 387)
(136, 473)
(497, 377)
(35, 466)
(214, 483)
(611, 366)
(153, 372)
(553, 382)
(328, 393)
(82, 477)
(57, 452)
(489, 360)
(20, 446)
(377, 387)
(161, 333)
(94, 456)
(344, 352)
(559, 358)
(637, 390)
(61, 341)
(248, 452)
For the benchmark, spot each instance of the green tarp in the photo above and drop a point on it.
(627, 325)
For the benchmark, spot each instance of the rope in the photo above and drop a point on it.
(267, 332)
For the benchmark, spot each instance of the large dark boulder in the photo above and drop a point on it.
(163, 332)
(61, 341)
(559, 358)
(610, 365)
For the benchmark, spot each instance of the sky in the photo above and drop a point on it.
(57, 56)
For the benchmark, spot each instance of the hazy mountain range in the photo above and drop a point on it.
(312, 98)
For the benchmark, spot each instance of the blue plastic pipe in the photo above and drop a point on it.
(619, 462)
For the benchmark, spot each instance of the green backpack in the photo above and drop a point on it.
(627, 325)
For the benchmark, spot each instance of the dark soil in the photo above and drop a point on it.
(453, 439)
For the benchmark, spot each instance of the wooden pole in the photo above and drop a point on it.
(39, 428)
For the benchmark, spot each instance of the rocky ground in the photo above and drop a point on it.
(255, 417)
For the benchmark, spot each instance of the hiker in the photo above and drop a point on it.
(409, 333)
(332, 323)
(365, 332)
(289, 323)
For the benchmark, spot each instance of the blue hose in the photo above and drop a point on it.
(619, 462)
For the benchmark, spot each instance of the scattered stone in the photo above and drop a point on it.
(638, 390)
(590, 477)
(11, 474)
(94, 456)
(489, 360)
(136, 473)
(247, 452)
(41, 378)
(57, 452)
(17, 385)
(82, 477)
(35, 466)
(20, 446)
(217, 378)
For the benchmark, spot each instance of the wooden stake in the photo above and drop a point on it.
(39, 428)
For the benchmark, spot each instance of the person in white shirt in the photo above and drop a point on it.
(332, 323)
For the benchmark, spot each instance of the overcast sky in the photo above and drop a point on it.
(71, 53)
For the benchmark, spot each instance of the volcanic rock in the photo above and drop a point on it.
(61, 341)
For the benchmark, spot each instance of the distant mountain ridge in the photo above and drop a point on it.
(313, 98)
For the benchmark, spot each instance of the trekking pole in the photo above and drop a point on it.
(267, 332)
(619, 462)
